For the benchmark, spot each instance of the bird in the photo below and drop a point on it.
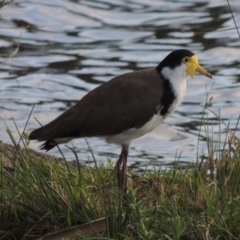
(125, 108)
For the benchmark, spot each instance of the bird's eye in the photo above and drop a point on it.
(185, 60)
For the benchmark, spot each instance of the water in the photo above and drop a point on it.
(68, 48)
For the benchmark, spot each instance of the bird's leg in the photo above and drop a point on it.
(121, 168)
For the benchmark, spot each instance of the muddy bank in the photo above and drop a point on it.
(9, 153)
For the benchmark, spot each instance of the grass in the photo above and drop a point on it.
(199, 201)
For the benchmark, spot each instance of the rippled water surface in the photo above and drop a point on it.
(68, 48)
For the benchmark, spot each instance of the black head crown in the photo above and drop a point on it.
(174, 58)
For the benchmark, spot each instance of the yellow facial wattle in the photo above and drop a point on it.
(193, 66)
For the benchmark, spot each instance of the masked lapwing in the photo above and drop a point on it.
(125, 108)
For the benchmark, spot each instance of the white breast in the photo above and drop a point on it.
(127, 136)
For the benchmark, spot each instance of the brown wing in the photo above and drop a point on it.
(126, 101)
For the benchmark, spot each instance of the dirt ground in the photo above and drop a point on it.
(9, 152)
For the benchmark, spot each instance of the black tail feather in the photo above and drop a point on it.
(48, 145)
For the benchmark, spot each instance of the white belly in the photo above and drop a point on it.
(127, 136)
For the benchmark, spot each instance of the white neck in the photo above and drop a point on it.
(177, 78)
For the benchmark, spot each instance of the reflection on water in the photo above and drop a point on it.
(67, 48)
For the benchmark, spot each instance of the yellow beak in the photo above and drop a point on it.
(193, 67)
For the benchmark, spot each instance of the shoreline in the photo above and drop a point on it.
(9, 153)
